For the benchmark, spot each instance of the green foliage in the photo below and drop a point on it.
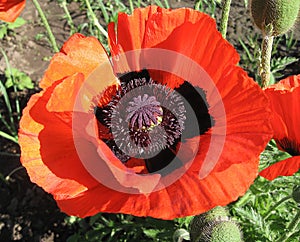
(120, 227)
(5, 27)
(250, 56)
(264, 212)
(17, 78)
(207, 6)
(260, 220)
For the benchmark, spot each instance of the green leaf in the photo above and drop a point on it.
(3, 31)
(151, 233)
(18, 78)
(16, 24)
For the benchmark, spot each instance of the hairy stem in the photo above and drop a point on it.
(265, 64)
(68, 15)
(46, 24)
(225, 16)
(94, 19)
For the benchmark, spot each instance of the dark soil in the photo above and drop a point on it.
(27, 213)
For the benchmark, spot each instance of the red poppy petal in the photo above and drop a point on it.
(31, 157)
(10, 10)
(179, 200)
(207, 47)
(287, 167)
(79, 54)
(285, 101)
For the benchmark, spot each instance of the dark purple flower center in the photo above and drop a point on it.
(148, 120)
(143, 111)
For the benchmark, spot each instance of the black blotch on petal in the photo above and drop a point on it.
(290, 146)
(161, 160)
(125, 78)
(195, 104)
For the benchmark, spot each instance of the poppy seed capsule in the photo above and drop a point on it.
(214, 226)
(274, 17)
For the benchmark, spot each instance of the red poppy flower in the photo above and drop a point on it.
(172, 128)
(285, 103)
(11, 9)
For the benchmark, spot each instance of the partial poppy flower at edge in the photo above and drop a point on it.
(285, 104)
(49, 148)
(11, 9)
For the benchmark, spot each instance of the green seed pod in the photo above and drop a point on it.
(219, 231)
(296, 194)
(214, 226)
(274, 17)
(200, 221)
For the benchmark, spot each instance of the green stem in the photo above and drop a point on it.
(3, 90)
(290, 230)
(197, 5)
(131, 6)
(104, 11)
(68, 15)
(94, 19)
(265, 65)
(9, 137)
(13, 171)
(14, 86)
(267, 214)
(167, 4)
(46, 24)
(225, 16)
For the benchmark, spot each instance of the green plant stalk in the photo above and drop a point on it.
(11, 127)
(13, 171)
(225, 16)
(131, 6)
(14, 85)
(94, 19)
(167, 4)
(267, 214)
(103, 10)
(11, 130)
(68, 15)
(197, 5)
(290, 230)
(7, 103)
(9, 137)
(46, 24)
(265, 64)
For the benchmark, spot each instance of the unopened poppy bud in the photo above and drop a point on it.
(274, 17)
(215, 226)
(296, 194)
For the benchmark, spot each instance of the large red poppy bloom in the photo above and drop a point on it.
(194, 122)
(11, 9)
(285, 104)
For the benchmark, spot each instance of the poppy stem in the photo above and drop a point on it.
(131, 6)
(94, 19)
(104, 11)
(63, 4)
(265, 64)
(46, 24)
(225, 16)
(3, 90)
(267, 214)
(290, 230)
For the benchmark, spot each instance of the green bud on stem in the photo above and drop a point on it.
(215, 226)
(296, 194)
(274, 17)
